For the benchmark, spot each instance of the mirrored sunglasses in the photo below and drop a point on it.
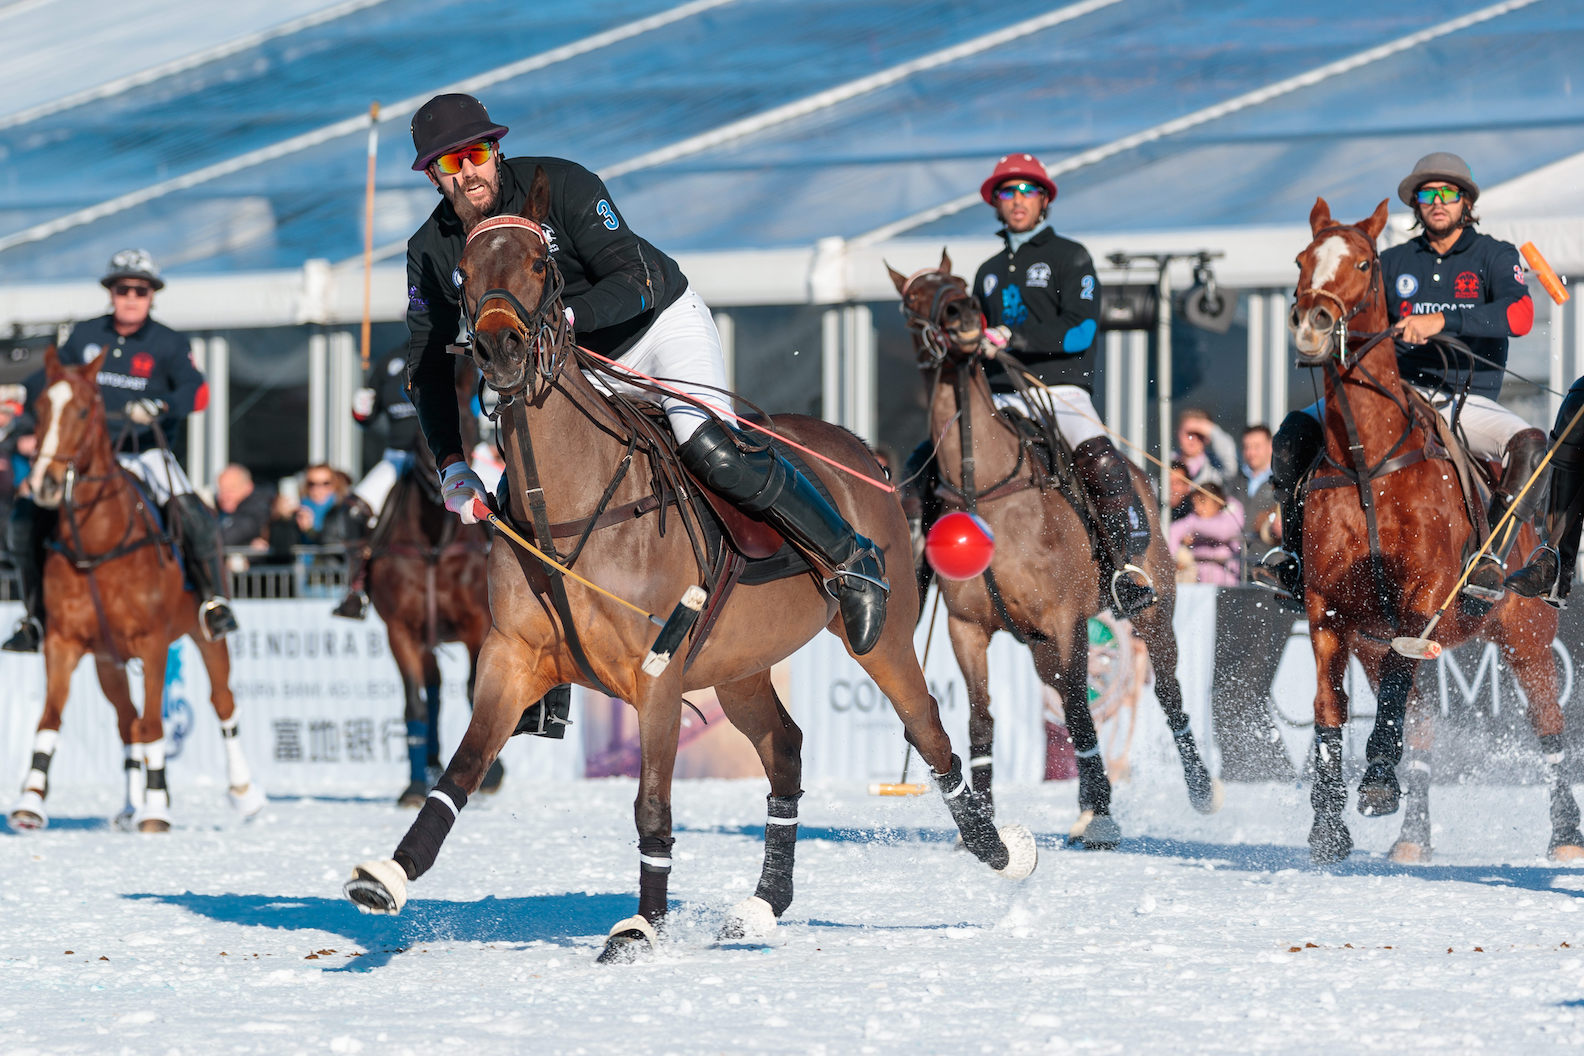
(479, 153)
(1026, 189)
(1427, 195)
(127, 289)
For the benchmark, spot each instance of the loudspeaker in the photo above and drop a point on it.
(1129, 306)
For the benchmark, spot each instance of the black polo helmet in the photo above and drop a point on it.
(450, 122)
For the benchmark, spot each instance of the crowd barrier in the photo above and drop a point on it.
(321, 707)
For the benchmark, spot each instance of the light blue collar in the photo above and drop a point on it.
(1015, 239)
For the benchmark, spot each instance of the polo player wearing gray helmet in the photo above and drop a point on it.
(148, 377)
(1450, 279)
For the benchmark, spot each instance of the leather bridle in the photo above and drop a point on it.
(544, 328)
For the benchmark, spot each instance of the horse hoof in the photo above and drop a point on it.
(29, 813)
(152, 819)
(1379, 794)
(1329, 841)
(493, 778)
(1208, 800)
(1407, 852)
(1094, 832)
(1022, 853)
(1566, 847)
(414, 795)
(248, 801)
(378, 886)
(752, 918)
(629, 941)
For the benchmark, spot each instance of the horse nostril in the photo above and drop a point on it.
(1293, 318)
(1322, 319)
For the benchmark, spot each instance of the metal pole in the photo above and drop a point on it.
(1254, 408)
(1163, 385)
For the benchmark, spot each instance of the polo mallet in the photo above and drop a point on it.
(368, 227)
(1426, 648)
(672, 629)
(903, 787)
(1543, 272)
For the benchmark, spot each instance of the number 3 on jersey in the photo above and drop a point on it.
(607, 214)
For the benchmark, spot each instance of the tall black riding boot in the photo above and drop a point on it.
(1549, 573)
(1294, 449)
(767, 486)
(1124, 527)
(355, 515)
(30, 526)
(204, 561)
(1524, 451)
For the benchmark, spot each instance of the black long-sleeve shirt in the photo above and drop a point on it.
(1478, 286)
(616, 283)
(1046, 291)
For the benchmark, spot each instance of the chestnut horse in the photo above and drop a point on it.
(564, 434)
(1044, 582)
(113, 587)
(428, 578)
(1379, 571)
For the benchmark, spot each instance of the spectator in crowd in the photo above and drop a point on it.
(1181, 491)
(13, 467)
(1212, 536)
(323, 488)
(244, 509)
(1207, 450)
(1252, 488)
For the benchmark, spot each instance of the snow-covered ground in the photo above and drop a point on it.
(1201, 934)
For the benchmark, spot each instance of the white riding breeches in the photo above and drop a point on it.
(376, 485)
(1071, 406)
(681, 348)
(1486, 424)
(159, 472)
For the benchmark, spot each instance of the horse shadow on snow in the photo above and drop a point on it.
(569, 919)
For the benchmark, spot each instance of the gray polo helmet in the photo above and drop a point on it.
(132, 264)
(1438, 166)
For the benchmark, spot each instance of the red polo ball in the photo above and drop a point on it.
(959, 546)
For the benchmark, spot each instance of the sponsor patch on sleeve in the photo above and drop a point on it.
(416, 301)
(989, 284)
(1407, 285)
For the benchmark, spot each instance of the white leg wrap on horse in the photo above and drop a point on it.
(238, 774)
(29, 812)
(1022, 853)
(638, 924)
(755, 918)
(378, 886)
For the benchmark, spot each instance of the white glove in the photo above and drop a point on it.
(464, 492)
(145, 411)
(363, 404)
(13, 394)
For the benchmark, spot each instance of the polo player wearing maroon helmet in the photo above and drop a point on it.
(1041, 300)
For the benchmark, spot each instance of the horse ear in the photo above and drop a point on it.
(1319, 216)
(91, 372)
(52, 365)
(1376, 222)
(898, 279)
(538, 206)
(945, 264)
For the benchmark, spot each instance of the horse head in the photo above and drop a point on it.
(1339, 277)
(71, 428)
(942, 315)
(506, 267)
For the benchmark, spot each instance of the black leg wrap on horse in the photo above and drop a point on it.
(1328, 794)
(654, 873)
(981, 768)
(764, 484)
(418, 849)
(973, 821)
(781, 832)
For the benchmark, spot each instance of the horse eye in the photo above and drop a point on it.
(1363, 265)
(538, 266)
